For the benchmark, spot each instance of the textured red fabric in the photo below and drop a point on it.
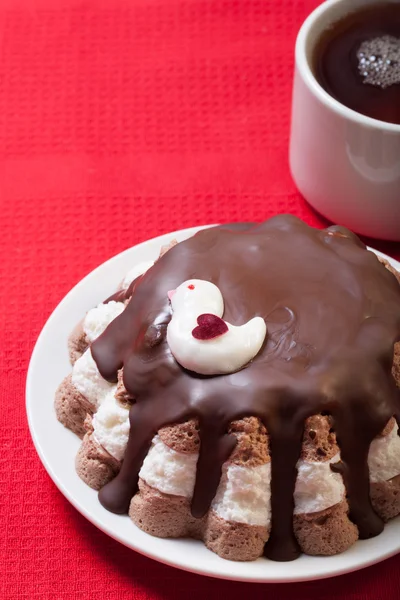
(121, 120)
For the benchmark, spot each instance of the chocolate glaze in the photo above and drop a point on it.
(124, 295)
(333, 317)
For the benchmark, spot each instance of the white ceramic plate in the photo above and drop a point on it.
(57, 448)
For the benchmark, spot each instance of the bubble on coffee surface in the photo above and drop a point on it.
(379, 61)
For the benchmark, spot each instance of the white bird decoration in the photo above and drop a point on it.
(200, 340)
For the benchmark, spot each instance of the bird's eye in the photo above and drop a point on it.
(191, 287)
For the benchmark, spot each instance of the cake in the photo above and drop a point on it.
(244, 390)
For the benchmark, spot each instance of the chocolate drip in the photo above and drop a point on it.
(123, 295)
(286, 437)
(333, 317)
(215, 448)
(354, 464)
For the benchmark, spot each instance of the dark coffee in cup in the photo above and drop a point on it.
(357, 61)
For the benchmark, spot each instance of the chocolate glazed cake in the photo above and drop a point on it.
(321, 385)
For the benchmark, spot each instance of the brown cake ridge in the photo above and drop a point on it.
(385, 498)
(94, 465)
(319, 439)
(72, 407)
(327, 532)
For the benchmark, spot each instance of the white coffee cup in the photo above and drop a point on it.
(346, 165)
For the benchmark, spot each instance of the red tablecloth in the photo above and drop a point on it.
(121, 120)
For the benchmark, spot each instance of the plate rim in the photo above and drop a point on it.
(205, 571)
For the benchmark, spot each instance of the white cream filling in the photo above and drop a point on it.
(169, 471)
(99, 318)
(384, 457)
(111, 426)
(317, 486)
(135, 272)
(88, 381)
(244, 494)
